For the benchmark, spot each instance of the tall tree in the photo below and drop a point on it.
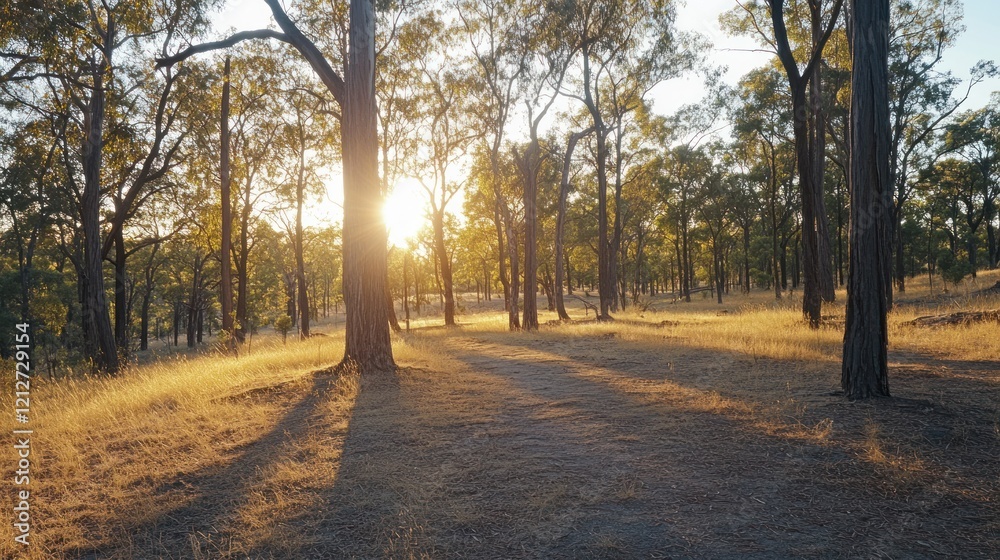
(805, 151)
(368, 345)
(445, 134)
(496, 38)
(625, 48)
(564, 189)
(865, 370)
(225, 248)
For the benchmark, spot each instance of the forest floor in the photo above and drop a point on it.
(666, 434)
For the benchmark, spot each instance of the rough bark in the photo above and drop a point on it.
(368, 345)
(864, 371)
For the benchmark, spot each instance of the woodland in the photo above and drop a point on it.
(441, 278)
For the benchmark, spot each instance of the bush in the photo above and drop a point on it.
(283, 324)
(953, 269)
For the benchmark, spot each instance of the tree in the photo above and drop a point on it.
(496, 38)
(564, 189)
(922, 99)
(975, 136)
(807, 152)
(445, 133)
(761, 128)
(807, 118)
(625, 49)
(368, 345)
(225, 182)
(865, 370)
(546, 68)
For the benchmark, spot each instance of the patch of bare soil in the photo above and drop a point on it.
(518, 446)
(599, 448)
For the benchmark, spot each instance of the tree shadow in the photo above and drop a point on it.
(741, 460)
(216, 493)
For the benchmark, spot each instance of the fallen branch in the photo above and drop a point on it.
(959, 318)
(586, 304)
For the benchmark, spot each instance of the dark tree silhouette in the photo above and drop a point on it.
(865, 367)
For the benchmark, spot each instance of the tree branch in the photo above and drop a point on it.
(223, 44)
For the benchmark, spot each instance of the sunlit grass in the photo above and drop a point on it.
(107, 449)
(101, 445)
(760, 327)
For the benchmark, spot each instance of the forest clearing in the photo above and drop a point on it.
(677, 432)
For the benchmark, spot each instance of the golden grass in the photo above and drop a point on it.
(757, 326)
(102, 445)
(110, 455)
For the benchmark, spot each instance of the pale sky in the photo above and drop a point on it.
(979, 42)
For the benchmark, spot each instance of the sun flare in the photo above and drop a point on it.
(404, 212)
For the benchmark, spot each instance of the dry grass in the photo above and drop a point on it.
(105, 449)
(678, 428)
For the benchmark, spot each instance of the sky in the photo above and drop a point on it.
(979, 41)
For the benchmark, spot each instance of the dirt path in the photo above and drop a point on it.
(514, 447)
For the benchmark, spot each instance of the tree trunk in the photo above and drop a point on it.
(605, 262)
(811, 289)
(368, 343)
(805, 156)
(444, 266)
(242, 267)
(300, 263)
(865, 364)
(530, 164)
(818, 147)
(100, 338)
(144, 319)
(121, 296)
(227, 215)
(900, 260)
(513, 319)
(177, 321)
(530, 314)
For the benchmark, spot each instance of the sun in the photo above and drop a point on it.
(404, 212)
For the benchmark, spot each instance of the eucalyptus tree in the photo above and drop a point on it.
(865, 367)
(922, 98)
(565, 186)
(687, 168)
(975, 137)
(368, 344)
(497, 39)
(546, 64)
(745, 205)
(302, 138)
(28, 182)
(760, 126)
(806, 112)
(964, 193)
(445, 133)
(715, 214)
(87, 63)
(625, 48)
